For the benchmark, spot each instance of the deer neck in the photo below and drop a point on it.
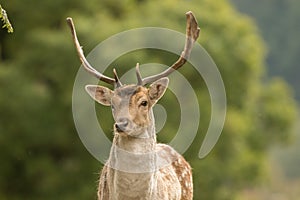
(133, 162)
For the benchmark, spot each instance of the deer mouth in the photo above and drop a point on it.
(122, 127)
(119, 128)
(127, 131)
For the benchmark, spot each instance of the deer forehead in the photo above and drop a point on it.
(129, 94)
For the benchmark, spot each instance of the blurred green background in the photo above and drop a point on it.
(254, 44)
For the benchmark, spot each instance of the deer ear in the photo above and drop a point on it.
(157, 89)
(100, 94)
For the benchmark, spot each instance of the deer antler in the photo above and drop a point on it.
(87, 66)
(192, 33)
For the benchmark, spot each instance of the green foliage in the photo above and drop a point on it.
(42, 156)
(5, 20)
(279, 24)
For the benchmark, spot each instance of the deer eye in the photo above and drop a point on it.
(144, 103)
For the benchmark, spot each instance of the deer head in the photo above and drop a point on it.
(132, 104)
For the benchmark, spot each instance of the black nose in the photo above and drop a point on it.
(121, 124)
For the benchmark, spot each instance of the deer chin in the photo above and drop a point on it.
(134, 132)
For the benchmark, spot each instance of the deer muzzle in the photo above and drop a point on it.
(121, 125)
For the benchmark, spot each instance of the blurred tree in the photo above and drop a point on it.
(279, 24)
(42, 157)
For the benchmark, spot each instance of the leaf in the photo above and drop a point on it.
(5, 20)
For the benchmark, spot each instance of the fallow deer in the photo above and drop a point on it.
(138, 167)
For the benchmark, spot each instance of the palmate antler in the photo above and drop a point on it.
(192, 34)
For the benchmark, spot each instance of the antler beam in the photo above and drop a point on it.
(192, 34)
(87, 66)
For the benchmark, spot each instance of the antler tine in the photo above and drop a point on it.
(87, 66)
(192, 34)
(117, 80)
(138, 74)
